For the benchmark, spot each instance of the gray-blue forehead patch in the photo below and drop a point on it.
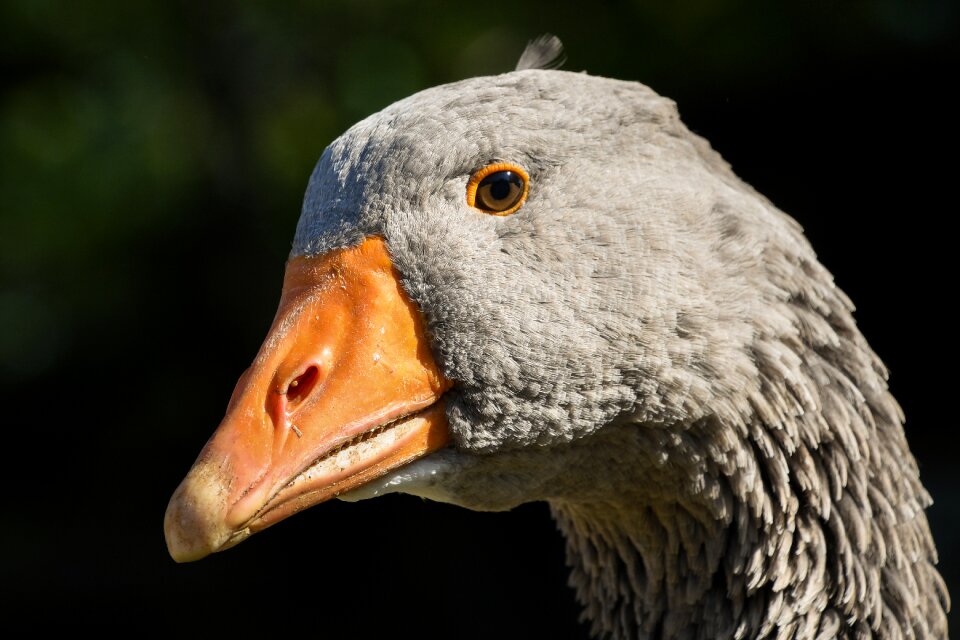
(331, 217)
(379, 163)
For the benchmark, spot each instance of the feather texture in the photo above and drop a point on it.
(543, 52)
(650, 346)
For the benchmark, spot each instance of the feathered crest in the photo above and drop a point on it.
(544, 52)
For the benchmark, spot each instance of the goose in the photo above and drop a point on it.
(541, 286)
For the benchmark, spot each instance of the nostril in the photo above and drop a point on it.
(301, 386)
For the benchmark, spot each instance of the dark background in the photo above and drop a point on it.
(154, 156)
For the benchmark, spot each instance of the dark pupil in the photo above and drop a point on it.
(500, 184)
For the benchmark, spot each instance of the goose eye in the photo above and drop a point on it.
(499, 189)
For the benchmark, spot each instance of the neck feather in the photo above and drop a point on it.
(797, 513)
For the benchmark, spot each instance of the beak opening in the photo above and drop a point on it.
(343, 390)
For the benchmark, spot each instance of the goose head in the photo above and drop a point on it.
(542, 286)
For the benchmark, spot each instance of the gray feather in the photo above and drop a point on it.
(650, 346)
(543, 52)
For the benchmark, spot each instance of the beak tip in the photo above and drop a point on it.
(194, 523)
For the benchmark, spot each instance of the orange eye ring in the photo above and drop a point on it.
(489, 170)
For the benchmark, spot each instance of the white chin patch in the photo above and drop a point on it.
(423, 477)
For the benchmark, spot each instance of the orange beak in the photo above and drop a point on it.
(343, 390)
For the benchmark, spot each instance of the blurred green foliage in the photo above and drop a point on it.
(153, 156)
(119, 121)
